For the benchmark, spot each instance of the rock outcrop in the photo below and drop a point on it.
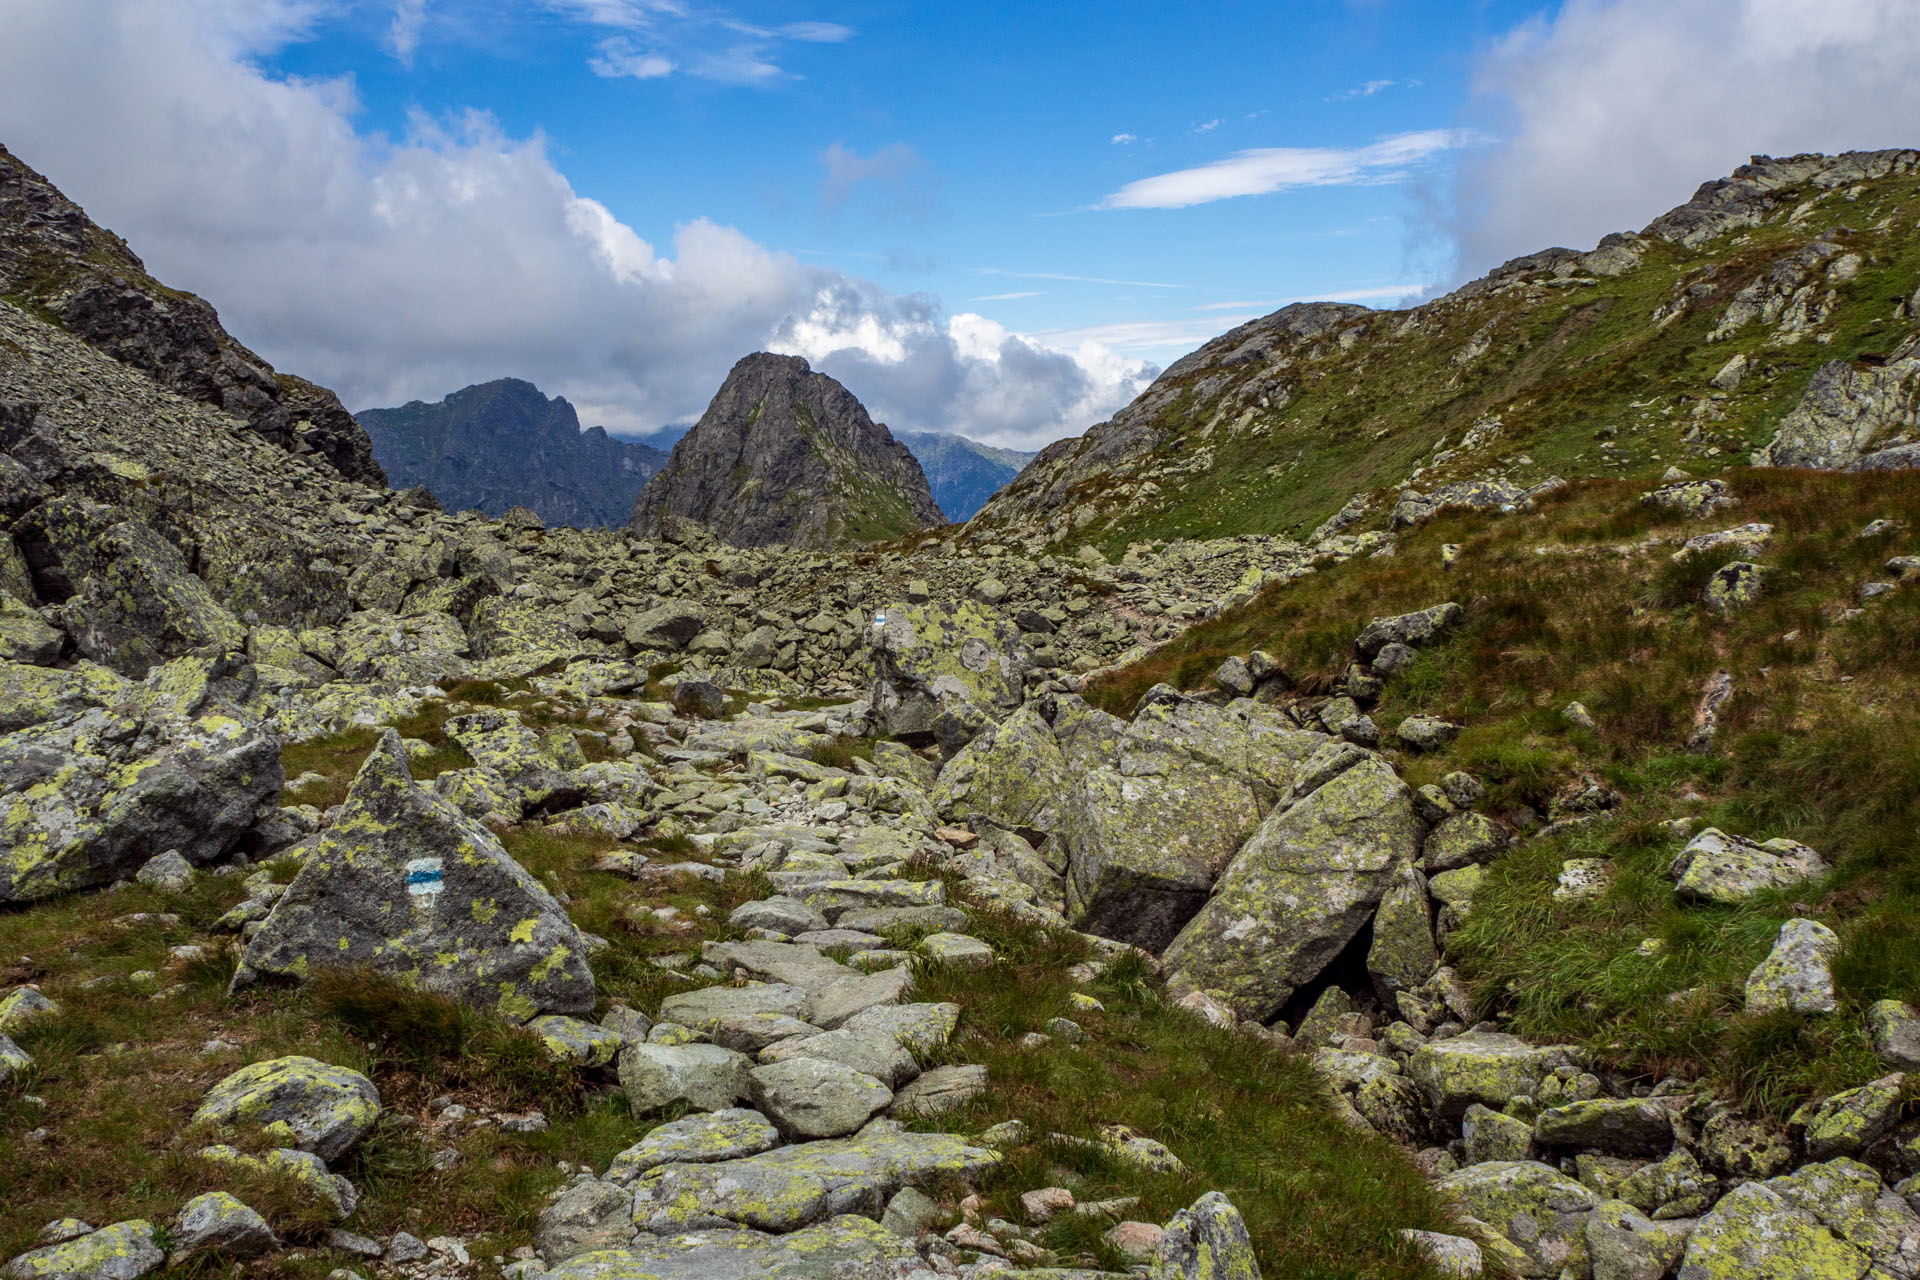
(501, 445)
(87, 280)
(785, 455)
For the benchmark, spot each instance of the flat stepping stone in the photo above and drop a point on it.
(921, 1028)
(849, 997)
(941, 1089)
(873, 1053)
(749, 1033)
(700, 1077)
(815, 1098)
(709, 1004)
(840, 938)
(959, 950)
(779, 913)
(731, 1134)
(571, 1040)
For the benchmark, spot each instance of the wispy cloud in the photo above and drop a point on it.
(1265, 170)
(1188, 332)
(1056, 275)
(1366, 90)
(895, 169)
(1124, 139)
(655, 38)
(1009, 297)
(403, 37)
(1207, 126)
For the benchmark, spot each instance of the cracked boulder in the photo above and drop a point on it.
(1301, 890)
(405, 884)
(944, 669)
(121, 772)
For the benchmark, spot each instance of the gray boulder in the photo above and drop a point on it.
(1896, 1033)
(95, 791)
(816, 1097)
(1413, 630)
(1299, 891)
(730, 1134)
(1534, 1207)
(1797, 975)
(298, 1102)
(217, 1223)
(699, 1077)
(123, 1251)
(1717, 867)
(1206, 1241)
(401, 879)
(585, 1217)
(945, 669)
(872, 1053)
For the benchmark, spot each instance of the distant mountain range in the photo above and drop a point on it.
(504, 444)
(964, 473)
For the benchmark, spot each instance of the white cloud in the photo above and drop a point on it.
(618, 56)
(395, 269)
(403, 37)
(1615, 110)
(1265, 170)
(1208, 127)
(1124, 139)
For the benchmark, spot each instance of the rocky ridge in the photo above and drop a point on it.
(501, 445)
(786, 455)
(962, 473)
(57, 262)
(1771, 315)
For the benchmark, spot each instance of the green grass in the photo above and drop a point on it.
(1820, 743)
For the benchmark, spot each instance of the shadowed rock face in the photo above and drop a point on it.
(785, 455)
(502, 444)
(86, 279)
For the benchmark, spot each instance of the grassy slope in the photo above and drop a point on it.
(1821, 743)
(1564, 361)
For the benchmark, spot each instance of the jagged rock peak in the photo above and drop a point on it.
(503, 444)
(785, 455)
(55, 259)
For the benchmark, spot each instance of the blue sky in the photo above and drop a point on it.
(1000, 219)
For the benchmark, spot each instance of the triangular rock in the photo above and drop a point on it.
(406, 884)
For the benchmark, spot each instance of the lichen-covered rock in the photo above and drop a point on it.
(571, 1040)
(88, 797)
(301, 1172)
(1403, 954)
(689, 1197)
(135, 603)
(1797, 975)
(31, 695)
(22, 1006)
(815, 1097)
(299, 1102)
(1142, 852)
(873, 1053)
(1617, 1126)
(1493, 1135)
(123, 1251)
(699, 1077)
(1462, 840)
(24, 635)
(1847, 414)
(1852, 1120)
(1625, 1245)
(217, 1223)
(1754, 1233)
(1734, 586)
(845, 1247)
(1690, 497)
(941, 1089)
(919, 1028)
(1895, 1024)
(1014, 775)
(1717, 867)
(1413, 630)
(932, 660)
(1487, 1067)
(731, 1134)
(13, 1059)
(585, 1217)
(1206, 1241)
(404, 883)
(1298, 892)
(1425, 733)
(1533, 1206)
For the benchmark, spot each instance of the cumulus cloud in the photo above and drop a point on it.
(1265, 170)
(1124, 139)
(394, 269)
(1613, 111)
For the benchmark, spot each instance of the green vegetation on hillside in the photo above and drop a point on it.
(1820, 742)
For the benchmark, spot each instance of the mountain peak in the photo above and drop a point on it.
(787, 455)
